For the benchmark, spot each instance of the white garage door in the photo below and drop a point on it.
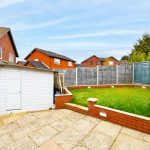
(37, 89)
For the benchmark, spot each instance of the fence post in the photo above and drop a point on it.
(76, 76)
(116, 74)
(133, 73)
(97, 74)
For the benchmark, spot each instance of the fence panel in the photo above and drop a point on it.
(107, 75)
(125, 74)
(87, 76)
(142, 73)
(70, 77)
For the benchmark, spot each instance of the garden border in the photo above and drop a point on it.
(122, 118)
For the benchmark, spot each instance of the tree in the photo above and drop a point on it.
(125, 57)
(141, 50)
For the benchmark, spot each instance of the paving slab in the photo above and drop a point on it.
(8, 128)
(43, 135)
(50, 145)
(126, 142)
(74, 116)
(67, 130)
(11, 118)
(26, 119)
(61, 124)
(137, 134)
(107, 128)
(68, 138)
(5, 139)
(22, 131)
(22, 144)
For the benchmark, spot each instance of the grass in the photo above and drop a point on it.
(133, 100)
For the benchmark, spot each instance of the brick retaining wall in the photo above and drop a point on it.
(122, 118)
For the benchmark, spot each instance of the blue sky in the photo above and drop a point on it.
(76, 28)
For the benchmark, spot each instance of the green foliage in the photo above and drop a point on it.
(141, 50)
(133, 100)
(125, 57)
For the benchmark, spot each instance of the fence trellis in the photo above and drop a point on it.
(121, 74)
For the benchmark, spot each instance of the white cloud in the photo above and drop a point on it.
(22, 26)
(97, 34)
(5, 3)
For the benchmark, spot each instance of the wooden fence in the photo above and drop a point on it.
(120, 74)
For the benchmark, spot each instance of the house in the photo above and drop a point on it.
(21, 63)
(94, 61)
(109, 61)
(8, 51)
(50, 59)
(123, 62)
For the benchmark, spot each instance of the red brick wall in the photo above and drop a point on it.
(6, 45)
(118, 117)
(60, 100)
(123, 119)
(49, 61)
(94, 59)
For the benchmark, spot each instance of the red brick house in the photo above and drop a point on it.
(8, 51)
(49, 59)
(94, 61)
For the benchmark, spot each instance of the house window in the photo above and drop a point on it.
(56, 61)
(91, 62)
(1, 53)
(36, 59)
(11, 57)
(111, 62)
(97, 63)
(69, 63)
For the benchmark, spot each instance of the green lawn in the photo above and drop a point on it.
(133, 100)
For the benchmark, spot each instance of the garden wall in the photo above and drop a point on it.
(122, 118)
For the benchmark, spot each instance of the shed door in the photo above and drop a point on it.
(13, 101)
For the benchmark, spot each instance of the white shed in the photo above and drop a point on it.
(25, 89)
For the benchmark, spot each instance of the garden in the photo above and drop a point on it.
(134, 100)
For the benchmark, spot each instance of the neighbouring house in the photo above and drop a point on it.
(123, 62)
(21, 63)
(94, 61)
(50, 59)
(8, 51)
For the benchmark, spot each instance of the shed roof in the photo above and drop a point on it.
(37, 64)
(3, 63)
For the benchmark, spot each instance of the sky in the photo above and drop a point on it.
(76, 28)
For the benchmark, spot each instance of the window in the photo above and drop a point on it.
(36, 59)
(11, 57)
(97, 63)
(1, 53)
(91, 62)
(56, 61)
(69, 63)
(111, 62)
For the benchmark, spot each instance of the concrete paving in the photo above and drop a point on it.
(66, 130)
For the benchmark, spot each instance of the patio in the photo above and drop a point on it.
(66, 130)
